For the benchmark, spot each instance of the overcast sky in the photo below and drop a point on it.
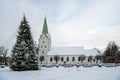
(87, 23)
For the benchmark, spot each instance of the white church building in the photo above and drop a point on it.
(68, 55)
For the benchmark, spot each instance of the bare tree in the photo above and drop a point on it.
(82, 58)
(97, 58)
(101, 58)
(4, 52)
(56, 58)
(90, 59)
(110, 53)
(117, 57)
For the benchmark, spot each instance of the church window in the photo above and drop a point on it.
(43, 41)
(51, 59)
(45, 46)
(42, 51)
(78, 58)
(73, 58)
(93, 60)
(41, 46)
(67, 58)
(41, 59)
(62, 59)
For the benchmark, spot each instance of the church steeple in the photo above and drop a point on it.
(45, 29)
(44, 42)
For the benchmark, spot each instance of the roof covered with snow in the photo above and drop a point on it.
(72, 51)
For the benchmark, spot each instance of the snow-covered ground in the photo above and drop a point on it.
(73, 73)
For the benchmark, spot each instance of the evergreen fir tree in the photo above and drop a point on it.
(23, 55)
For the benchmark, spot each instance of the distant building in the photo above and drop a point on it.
(70, 55)
(2, 60)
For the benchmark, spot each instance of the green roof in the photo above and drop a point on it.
(45, 29)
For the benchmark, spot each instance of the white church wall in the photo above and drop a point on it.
(65, 61)
(43, 48)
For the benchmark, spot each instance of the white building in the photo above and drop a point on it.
(70, 55)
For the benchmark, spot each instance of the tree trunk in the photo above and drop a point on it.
(5, 61)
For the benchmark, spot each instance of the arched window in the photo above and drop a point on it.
(73, 58)
(43, 41)
(67, 58)
(42, 59)
(51, 59)
(79, 58)
(42, 51)
(62, 59)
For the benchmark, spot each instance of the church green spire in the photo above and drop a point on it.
(45, 29)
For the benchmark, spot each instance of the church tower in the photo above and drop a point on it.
(44, 44)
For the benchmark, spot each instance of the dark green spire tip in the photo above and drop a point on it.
(45, 29)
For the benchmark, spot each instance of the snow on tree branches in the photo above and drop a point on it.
(23, 55)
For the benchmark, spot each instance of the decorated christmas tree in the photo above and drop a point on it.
(23, 54)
